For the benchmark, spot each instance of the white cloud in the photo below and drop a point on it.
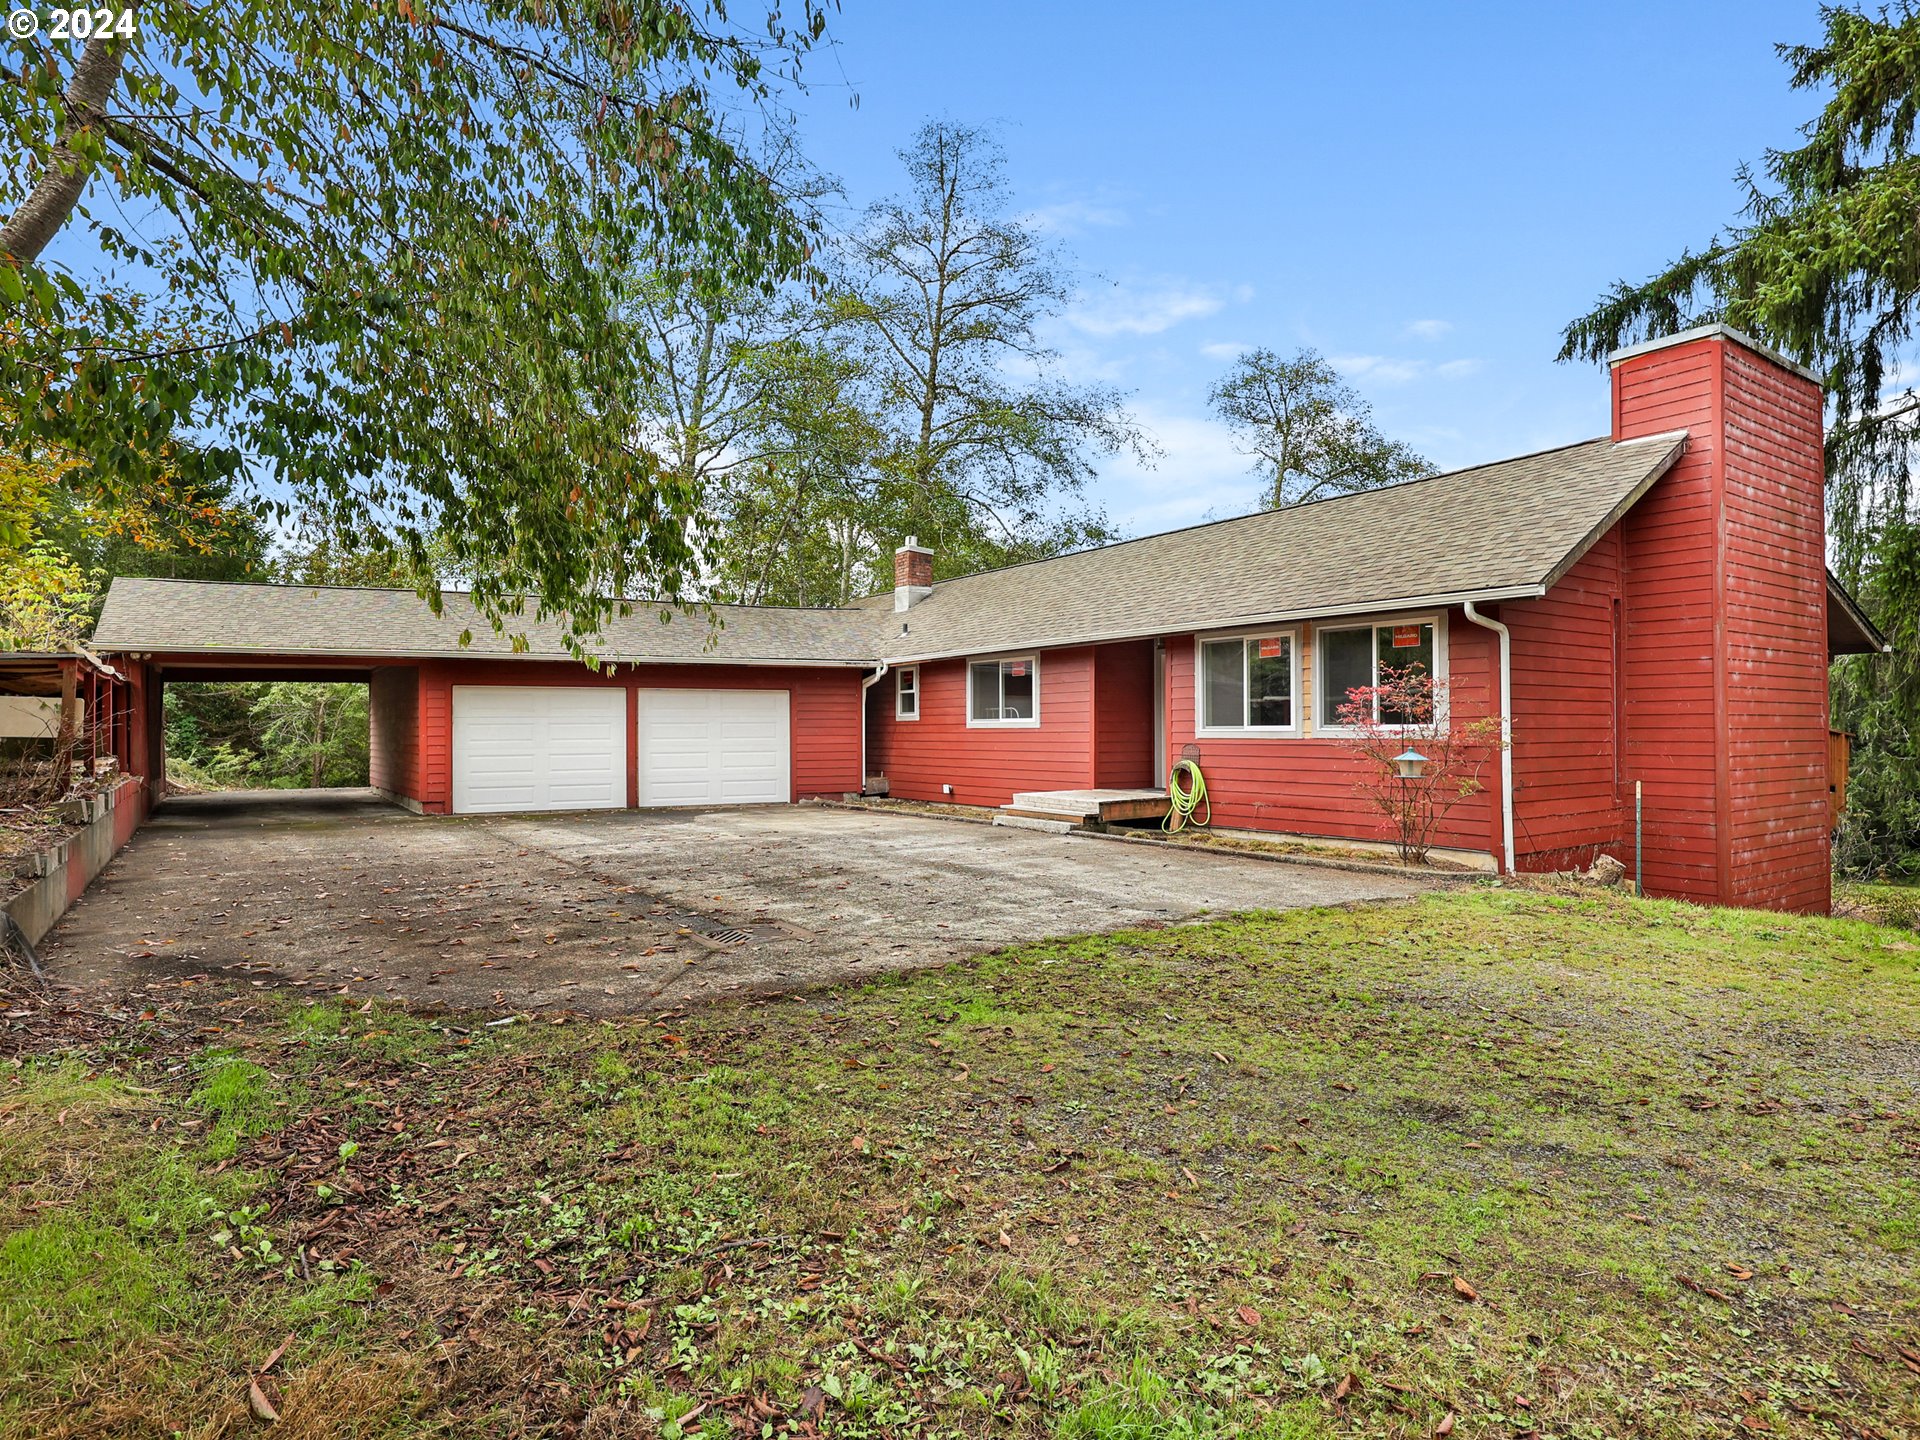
(1071, 217)
(1198, 476)
(1384, 369)
(1400, 370)
(1142, 310)
(1225, 350)
(1428, 329)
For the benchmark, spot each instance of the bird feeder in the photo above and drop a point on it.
(1410, 763)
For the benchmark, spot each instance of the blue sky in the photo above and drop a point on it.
(1425, 193)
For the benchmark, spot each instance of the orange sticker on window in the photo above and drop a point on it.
(1019, 669)
(1406, 637)
(1272, 649)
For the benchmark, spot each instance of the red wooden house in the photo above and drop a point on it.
(1650, 606)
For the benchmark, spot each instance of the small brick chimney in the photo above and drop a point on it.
(912, 574)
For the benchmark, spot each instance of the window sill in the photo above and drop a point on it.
(1003, 724)
(1248, 732)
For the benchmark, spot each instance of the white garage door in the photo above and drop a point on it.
(524, 748)
(714, 747)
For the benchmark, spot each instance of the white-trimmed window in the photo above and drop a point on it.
(906, 693)
(1249, 684)
(1350, 657)
(1004, 692)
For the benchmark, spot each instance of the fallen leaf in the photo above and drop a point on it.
(278, 1350)
(1464, 1290)
(1345, 1387)
(1445, 1427)
(1249, 1316)
(262, 1408)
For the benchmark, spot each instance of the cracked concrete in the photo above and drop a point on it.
(611, 911)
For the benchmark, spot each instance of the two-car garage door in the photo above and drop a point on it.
(519, 747)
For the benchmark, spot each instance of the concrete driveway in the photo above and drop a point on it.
(613, 910)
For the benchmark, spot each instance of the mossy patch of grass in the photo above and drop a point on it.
(1570, 1164)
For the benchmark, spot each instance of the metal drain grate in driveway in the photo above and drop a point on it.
(730, 936)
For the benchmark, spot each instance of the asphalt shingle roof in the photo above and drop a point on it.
(1496, 531)
(242, 619)
(1500, 530)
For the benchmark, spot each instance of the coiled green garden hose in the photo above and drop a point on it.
(1187, 797)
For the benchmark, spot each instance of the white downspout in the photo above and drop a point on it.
(1506, 725)
(866, 685)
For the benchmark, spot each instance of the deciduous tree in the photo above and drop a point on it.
(1409, 709)
(404, 231)
(946, 292)
(1311, 434)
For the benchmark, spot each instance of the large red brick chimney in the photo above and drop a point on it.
(1724, 610)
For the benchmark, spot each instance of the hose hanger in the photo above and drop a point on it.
(1187, 794)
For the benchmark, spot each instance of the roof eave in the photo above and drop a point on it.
(1873, 642)
(400, 657)
(1294, 616)
(1613, 517)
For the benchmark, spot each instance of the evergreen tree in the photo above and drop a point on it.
(1823, 264)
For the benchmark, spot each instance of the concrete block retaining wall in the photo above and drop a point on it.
(57, 875)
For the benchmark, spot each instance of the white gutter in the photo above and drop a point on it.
(866, 685)
(1506, 725)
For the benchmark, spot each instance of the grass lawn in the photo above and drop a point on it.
(1495, 1163)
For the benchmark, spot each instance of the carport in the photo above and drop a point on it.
(71, 697)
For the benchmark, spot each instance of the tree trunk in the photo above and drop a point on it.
(42, 214)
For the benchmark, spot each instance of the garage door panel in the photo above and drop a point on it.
(538, 748)
(715, 747)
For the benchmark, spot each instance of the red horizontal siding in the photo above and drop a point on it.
(1308, 784)
(1775, 607)
(985, 765)
(1674, 722)
(393, 731)
(1725, 671)
(1566, 708)
(824, 713)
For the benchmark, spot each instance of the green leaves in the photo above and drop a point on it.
(389, 280)
(1310, 434)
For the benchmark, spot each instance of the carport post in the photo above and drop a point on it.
(69, 697)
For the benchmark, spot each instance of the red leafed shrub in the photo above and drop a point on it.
(1410, 710)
